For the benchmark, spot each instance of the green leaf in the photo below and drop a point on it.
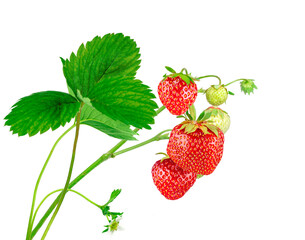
(170, 69)
(247, 86)
(125, 99)
(113, 56)
(114, 128)
(63, 61)
(40, 112)
(231, 93)
(113, 196)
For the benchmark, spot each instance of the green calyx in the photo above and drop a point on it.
(247, 86)
(206, 114)
(214, 112)
(190, 126)
(217, 117)
(183, 74)
(216, 87)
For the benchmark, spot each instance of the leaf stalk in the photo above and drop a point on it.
(31, 220)
(64, 191)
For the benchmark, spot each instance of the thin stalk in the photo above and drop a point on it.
(100, 160)
(84, 197)
(160, 110)
(184, 69)
(211, 76)
(59, 190)
(69, 174)
(30, 224)
(158, 137)
(240, 79)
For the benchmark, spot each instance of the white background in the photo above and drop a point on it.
(256, 192)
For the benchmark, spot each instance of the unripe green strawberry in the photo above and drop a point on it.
(219, 118)
(216, 95)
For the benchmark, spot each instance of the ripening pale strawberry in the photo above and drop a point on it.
(216, 95)
(219, 118)
(171, 180)
(196, 146)
(177, 92)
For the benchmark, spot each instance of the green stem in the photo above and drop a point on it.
(240, 79)
(100, 160)
(160, 110)
(211, 76)
(42, 201)
(184, 69)
(158, 137)
(59, 190)
(84, 197)
(69, 174)
(30, 225)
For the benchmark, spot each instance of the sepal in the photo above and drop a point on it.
(186, 77)
(247, 86)
(192, 126)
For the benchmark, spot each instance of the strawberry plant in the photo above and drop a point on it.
(104, 93)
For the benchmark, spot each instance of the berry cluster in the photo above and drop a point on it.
(195, 146)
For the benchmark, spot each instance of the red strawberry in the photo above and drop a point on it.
(196, 146)
(177, 92)
(171, 180)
